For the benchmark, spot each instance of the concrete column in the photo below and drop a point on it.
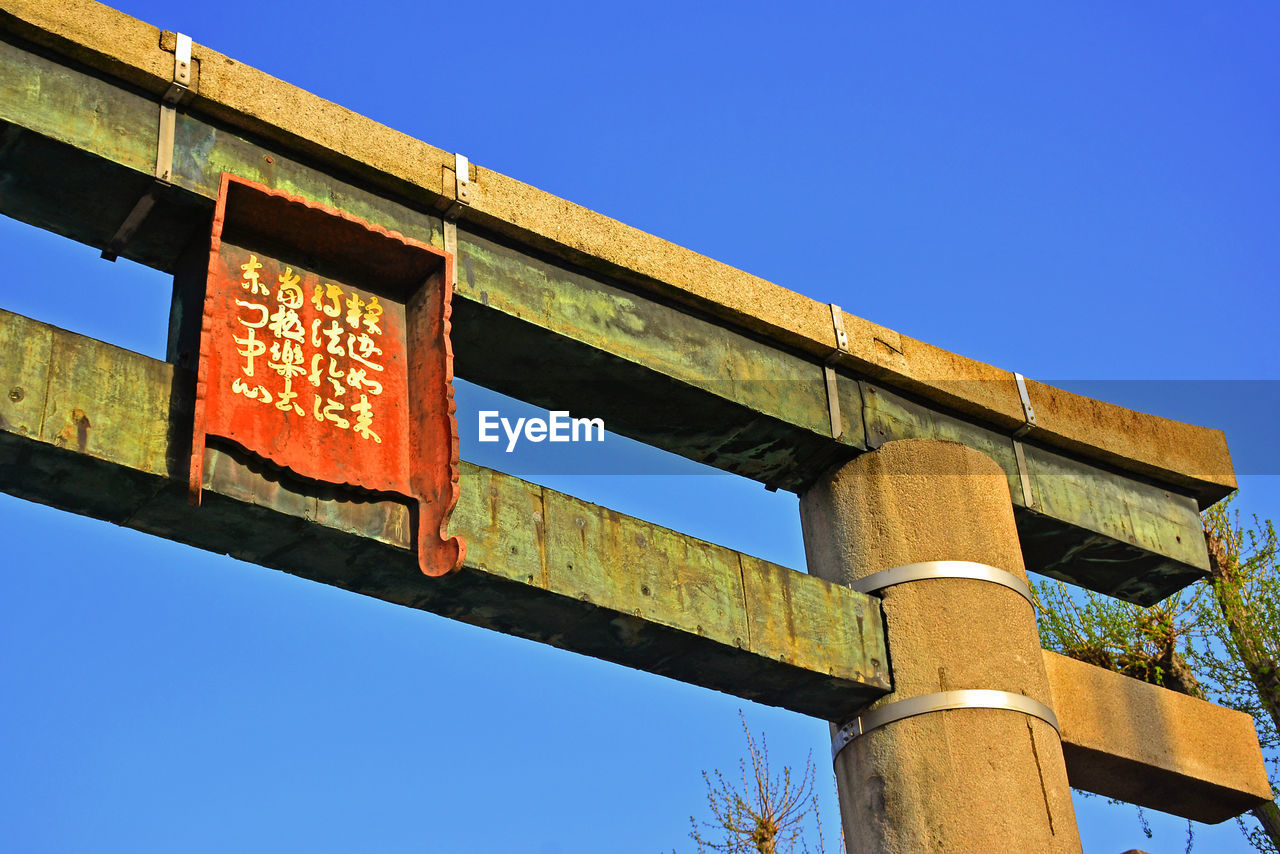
(975, 780)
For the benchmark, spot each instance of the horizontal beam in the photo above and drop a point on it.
(309, 128)
(1153, 747)
(77, 151)
(93, 429)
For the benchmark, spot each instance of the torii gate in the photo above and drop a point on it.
(928, 481)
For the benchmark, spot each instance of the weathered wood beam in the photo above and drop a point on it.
(77, 151)
(93, 429)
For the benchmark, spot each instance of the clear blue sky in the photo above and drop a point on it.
(1077, 191)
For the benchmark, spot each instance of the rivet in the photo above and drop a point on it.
(16, 393)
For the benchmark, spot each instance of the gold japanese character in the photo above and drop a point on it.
(364, 417)
(335, 377)
(285, 400)
(361, 348)
(372, 314)
(316, 359)
(334, 334)
(288, 360)
(256, 307)
(252, 349)
(354, 305)
(249, 280)
(239, 386)
(290, 292)
(331, 292)
(331, 410)
(358, 377)
(286, 324)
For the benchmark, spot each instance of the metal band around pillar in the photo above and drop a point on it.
(972, 698)
(878, 581)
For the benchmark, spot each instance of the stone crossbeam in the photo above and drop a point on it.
(1126, 739)
(104, 432)
(100, 431)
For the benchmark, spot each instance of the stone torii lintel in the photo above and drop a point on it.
(670, 347)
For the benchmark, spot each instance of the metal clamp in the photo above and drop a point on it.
(1028, 413)
(461, 186)
(180, 89)
(842, 338)
(877, 581)
(462, 179)
(970, 698)
(1020, 458)
(179, 92)
(1028, 421)
(829, 373)
(461, 197)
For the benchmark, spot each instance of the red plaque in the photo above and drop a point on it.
(324, 348)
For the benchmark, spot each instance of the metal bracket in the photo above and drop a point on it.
(1028, 413)
(462, 196)
(1028, 421)
(829, 373)
(1020, 456)
(179, 92)
(462, 178)
(833, 401)
(877, 581)
(180, 88)
(971, 698)
(842, 338)
(461, 186)
(451, 246)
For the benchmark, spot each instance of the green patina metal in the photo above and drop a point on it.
(1118, 521)
(52, 100)
(77, 151)
(1134, 524)
(203, 151)
(102, 441)
(653, 372)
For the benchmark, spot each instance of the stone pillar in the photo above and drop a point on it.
(969, 779)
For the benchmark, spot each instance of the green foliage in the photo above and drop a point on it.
(764, 814)
(1219, 639)
(1243, 619)
(1152, 644)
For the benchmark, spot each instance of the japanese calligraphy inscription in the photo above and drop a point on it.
(324, 348)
